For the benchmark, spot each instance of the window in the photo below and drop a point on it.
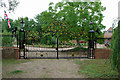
(110, 31)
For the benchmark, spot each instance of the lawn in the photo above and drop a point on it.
(96, 68)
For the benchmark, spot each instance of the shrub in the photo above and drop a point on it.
(78, 48)
(115, 57)
(7, 39)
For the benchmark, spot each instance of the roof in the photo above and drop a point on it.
(107, 34)
(110, 29)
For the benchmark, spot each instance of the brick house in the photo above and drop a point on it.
(108, 34)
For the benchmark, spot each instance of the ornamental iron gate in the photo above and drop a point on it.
(52, 47)
(51, 43)
(48, 47)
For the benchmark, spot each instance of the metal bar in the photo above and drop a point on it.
(19, 45)
(92, 45)
(50, 51)
(55, 57)
(17, 40)
(57, 48)
(104, 38)
(24, 44)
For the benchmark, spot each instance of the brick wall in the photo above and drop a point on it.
(102, 53)
(10, 52)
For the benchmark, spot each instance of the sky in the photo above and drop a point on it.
(31, 8)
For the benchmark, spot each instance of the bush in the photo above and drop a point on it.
(101, 41)
(115, 57)
(78, 48)
(7, 39)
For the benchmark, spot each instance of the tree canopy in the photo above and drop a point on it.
(12, 4)
(66, 20)
(75, 15)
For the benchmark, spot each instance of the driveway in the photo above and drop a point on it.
(44, 68)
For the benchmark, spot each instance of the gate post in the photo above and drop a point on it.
(91, 43)
(21, 43)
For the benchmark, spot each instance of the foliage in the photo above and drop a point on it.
(75, 16)
(12, 4)
(6, 62)
(78, 48)
(7, 39)
(16, 72)
(115, 57)
(5, 25)
(100, 41)
(66, 20)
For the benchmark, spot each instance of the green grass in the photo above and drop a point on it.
(97, 68)
(13, 61)
(8, 63)
(78, 48)
(83, 44)
(16, 72)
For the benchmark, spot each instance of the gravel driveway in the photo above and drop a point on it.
(45, 68)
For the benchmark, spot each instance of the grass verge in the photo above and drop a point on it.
(13, 61)
(8, 69)
(96, 68)
(16, 72)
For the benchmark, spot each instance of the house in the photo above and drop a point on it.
(108, 34)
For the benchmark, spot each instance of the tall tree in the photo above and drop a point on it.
(76, 16)
(116, 48)
(12, 4)
(79, 14)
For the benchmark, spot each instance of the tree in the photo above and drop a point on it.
(12, 4)
(5, 25)
(116, 49)
(76, 16)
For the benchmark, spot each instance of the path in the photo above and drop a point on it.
(46, 68)
(47, 49)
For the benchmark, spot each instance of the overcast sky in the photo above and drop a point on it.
(31, 8)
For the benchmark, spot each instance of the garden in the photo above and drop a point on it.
(63, 27)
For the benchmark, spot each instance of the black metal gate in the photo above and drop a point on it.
(48, 47)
